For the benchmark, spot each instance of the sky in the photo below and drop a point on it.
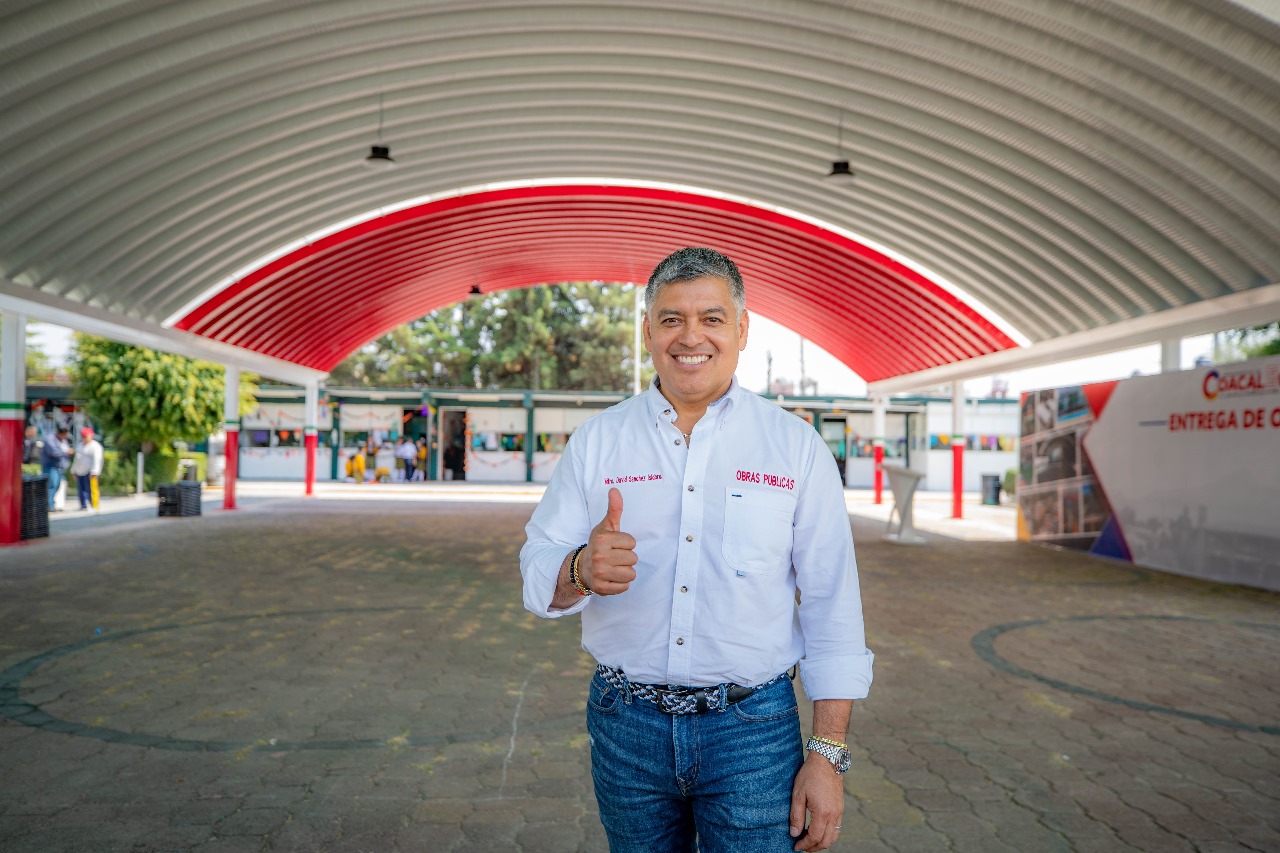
(833, 378)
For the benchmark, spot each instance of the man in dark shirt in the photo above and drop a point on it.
(55, 458)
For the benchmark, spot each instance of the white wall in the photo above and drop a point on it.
(363, 417)
(272, 415)
(979, 419)
(281, 463)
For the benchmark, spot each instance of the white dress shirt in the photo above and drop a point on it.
(726, 530)
(88, 459)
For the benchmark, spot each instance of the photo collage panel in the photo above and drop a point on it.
(1057, 491)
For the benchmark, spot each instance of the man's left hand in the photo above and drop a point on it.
(818, 790)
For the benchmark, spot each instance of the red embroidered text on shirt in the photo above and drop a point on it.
(631, 478)
(766, 479)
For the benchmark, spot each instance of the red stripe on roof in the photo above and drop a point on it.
(320, 302)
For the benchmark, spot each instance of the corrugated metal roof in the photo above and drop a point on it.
(1068, 165)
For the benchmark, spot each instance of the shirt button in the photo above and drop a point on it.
(679, 641)
(684, 589)
(691, 488)
(689, 538)
(677, 441)
(666, 411)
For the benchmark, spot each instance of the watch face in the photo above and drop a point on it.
(843, 764)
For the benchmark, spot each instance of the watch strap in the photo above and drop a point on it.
(834, 751)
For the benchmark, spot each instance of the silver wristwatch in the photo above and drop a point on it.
(836, 754)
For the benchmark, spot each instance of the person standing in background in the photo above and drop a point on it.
(407, 453)
(55, 458)
(420, 473)
(86, 468)
(32, 447)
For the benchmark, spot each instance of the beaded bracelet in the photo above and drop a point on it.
(574, 578)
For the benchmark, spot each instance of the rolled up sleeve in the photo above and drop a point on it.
(836, 662)
(558, 525)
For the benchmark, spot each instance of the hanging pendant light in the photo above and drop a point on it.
(380, 154)
(840, 172)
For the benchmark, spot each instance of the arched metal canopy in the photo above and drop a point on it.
(863, 307)
(1075, 167)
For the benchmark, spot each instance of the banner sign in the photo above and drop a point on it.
(1179, 472)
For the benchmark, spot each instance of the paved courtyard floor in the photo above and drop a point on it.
(359, 675)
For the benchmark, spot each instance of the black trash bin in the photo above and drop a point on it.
(991, 490)
(179, 499)
(35, 507)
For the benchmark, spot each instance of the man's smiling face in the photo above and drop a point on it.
(694, 333)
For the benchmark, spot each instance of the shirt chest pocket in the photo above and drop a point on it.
(757, 530)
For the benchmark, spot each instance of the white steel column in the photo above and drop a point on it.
(877, 443)
(957, 448)
(1170, 355)
(13, 398)
(635, 346)
(310, 430)
(231, 422)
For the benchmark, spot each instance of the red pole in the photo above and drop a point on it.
(879, 475)
(957, 476)
(229, 476)
(312, 440)
(11, 478)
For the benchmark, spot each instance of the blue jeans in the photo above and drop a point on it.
(55, 480)
(723, 777)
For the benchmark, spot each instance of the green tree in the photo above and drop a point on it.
(1255, 341)
(144, 399)
(570, 336)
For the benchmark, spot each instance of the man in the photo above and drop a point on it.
(55, 458)
(407, 453)
(86, 467)
(32, 446)
(680, 524)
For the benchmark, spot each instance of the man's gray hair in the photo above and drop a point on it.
(691, 263)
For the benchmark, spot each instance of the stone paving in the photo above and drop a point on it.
(339, 675)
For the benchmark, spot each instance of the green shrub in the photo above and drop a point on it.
(119, 474)
(1010, 481)
(159, 468)
(31, 469)
(201, 460)
(120, 470)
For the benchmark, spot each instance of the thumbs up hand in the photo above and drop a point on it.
(606, 564)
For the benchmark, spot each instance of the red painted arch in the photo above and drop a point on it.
(319, 303)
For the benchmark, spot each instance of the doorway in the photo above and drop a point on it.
(453, 444)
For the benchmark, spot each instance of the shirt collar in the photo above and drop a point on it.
(662, 409)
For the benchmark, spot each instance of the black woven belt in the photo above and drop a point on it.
(681, 700)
